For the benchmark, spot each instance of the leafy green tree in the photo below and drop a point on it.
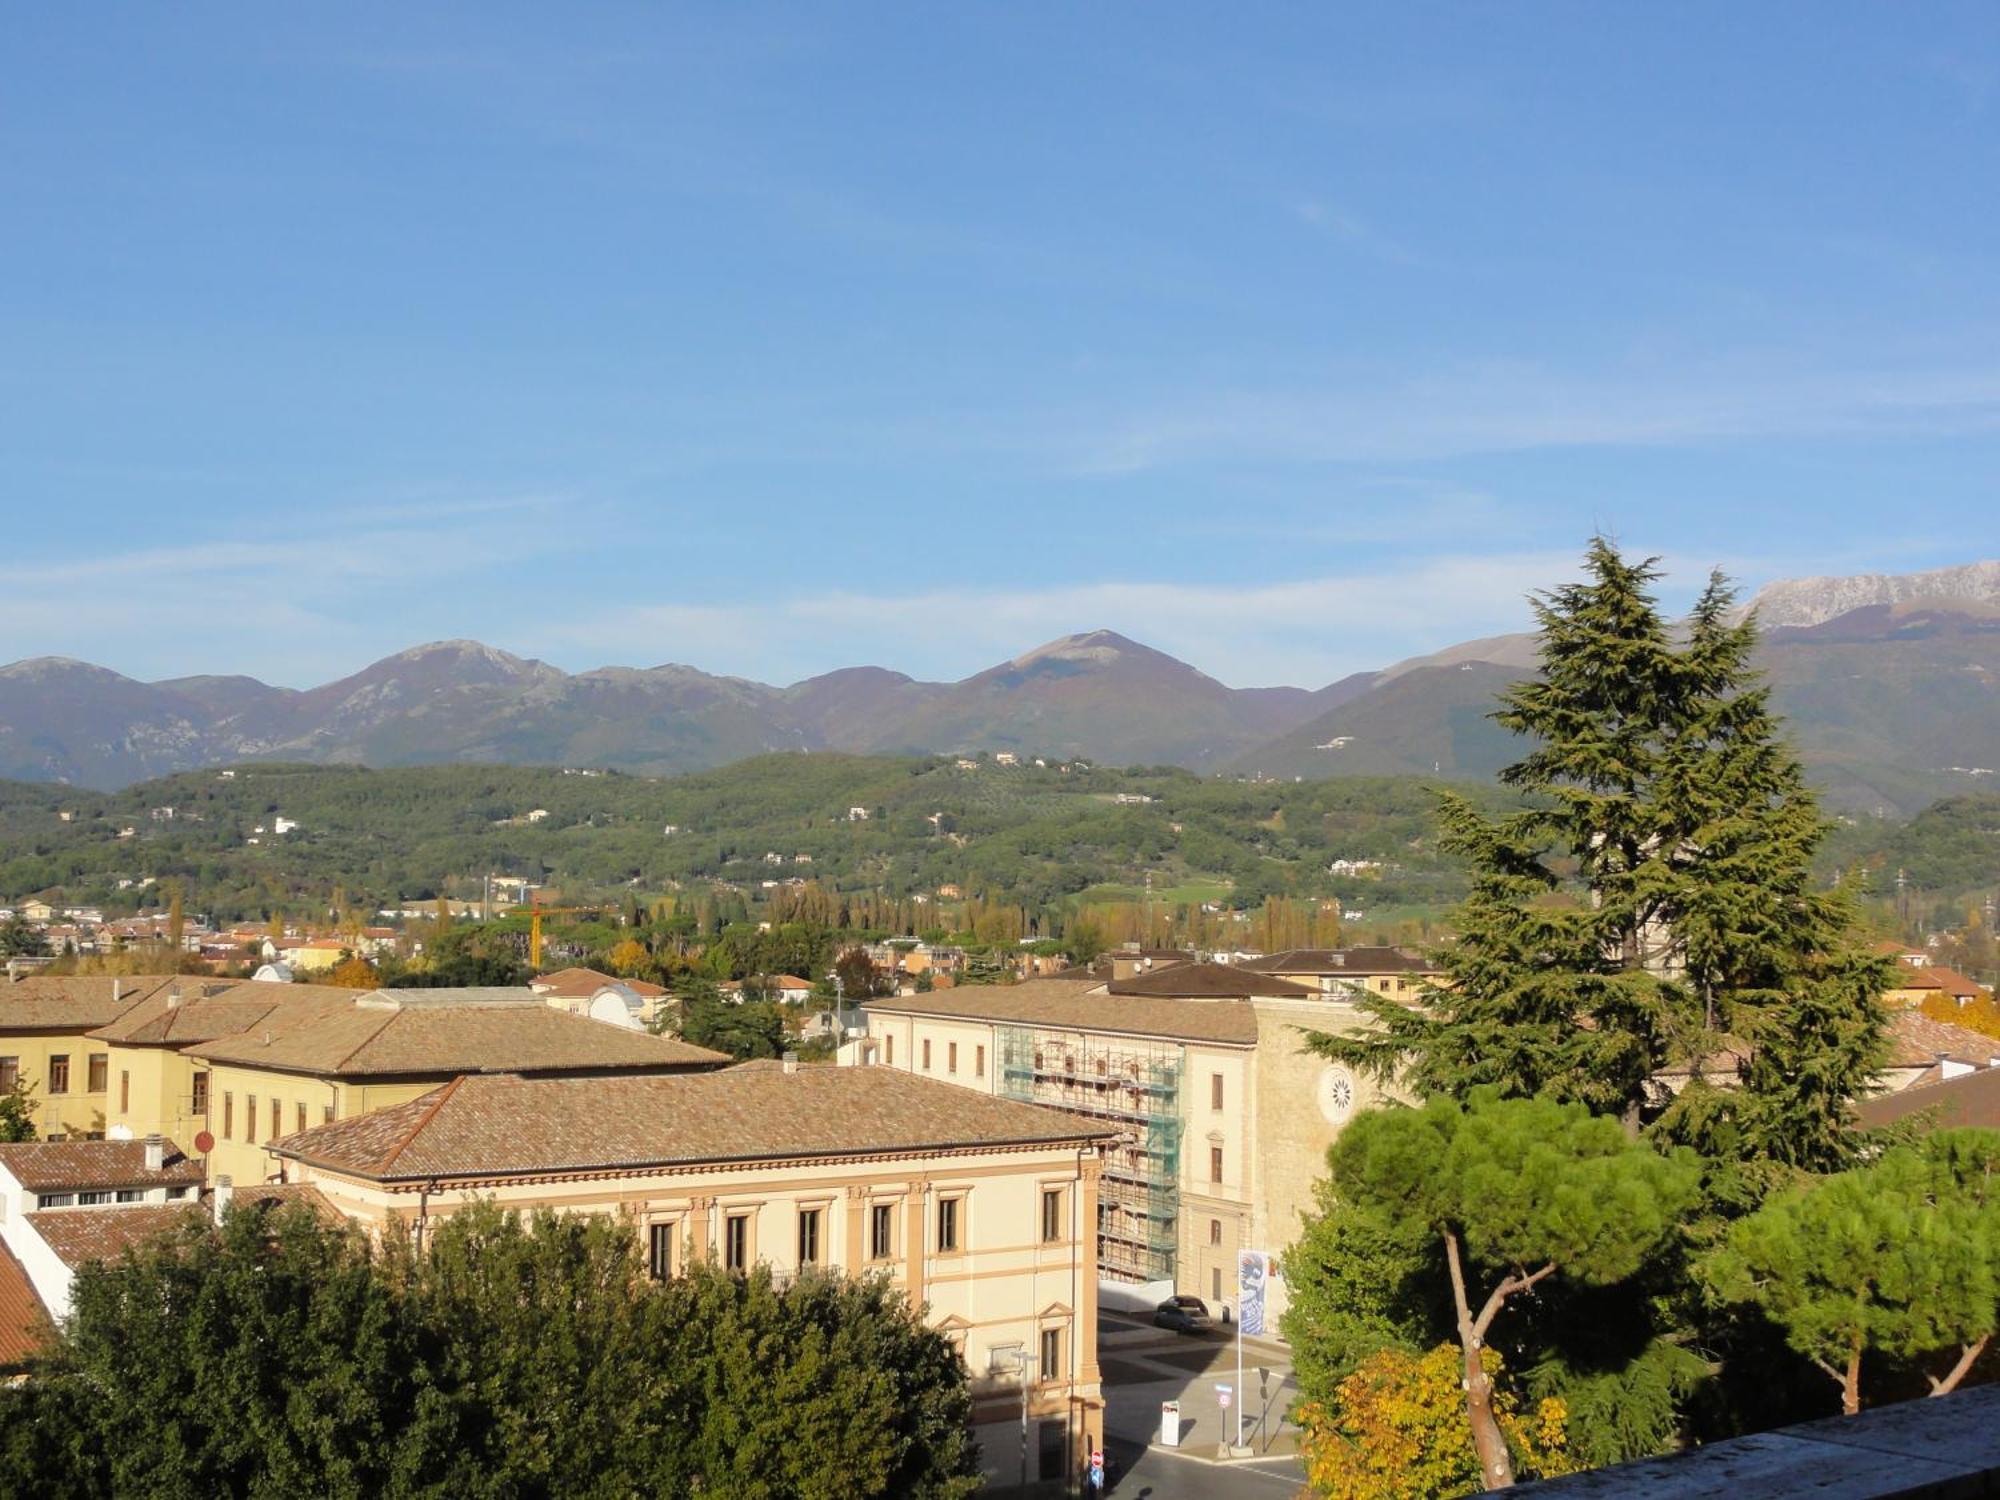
(1654, 893)
(858, 976)
(263, 1359)
(1360, 1282)
(17, 1112)
(1513, 1192)
(751, 1029)
(497, 1357)
(538, 1371)
(21, 939)
(1900, 1258)
(824, 1389)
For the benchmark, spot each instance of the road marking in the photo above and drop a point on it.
(1234, 1466)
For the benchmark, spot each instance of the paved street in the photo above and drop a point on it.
(1144, 1366)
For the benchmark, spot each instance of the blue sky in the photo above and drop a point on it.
(1291, 340)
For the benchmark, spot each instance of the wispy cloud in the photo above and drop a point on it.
(1363, 416)
(1356, 233)
(296, 604)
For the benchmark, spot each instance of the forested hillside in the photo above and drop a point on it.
(1027, 836)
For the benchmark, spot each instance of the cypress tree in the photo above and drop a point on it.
(1652, 900)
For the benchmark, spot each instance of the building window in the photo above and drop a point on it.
(881, 1231)
(889, 1050)
(201, 1094)
(1215, 1231)
(95, 1195)
(660, 1251)
(1215, 1283)
(228, 1115)
(10, 1074)
(1052, 1363)
(1215, 1091)
(326, 1114)
(131, 1195)
(55, 1200)
(249, 1117)
(124, 1090)
(809, 1236)
(736, 1242)
(301, 1116)
(1052, 1215)
(276, 1116)
(1215, 1164)
(978, 1062)
(100, 1072)
(927, 1054)
(58, 1072)
(947, 1224)
(951, 1057)
(178, 1192)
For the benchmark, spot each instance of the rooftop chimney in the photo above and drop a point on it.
(156, 1153)
(225, 1190)
(791, 1062)
(117, 990)
(173, 997)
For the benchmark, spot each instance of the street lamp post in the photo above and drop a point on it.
(1028, 1363)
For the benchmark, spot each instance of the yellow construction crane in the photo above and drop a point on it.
(535, 915)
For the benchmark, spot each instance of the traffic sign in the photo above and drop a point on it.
(1223, 1393)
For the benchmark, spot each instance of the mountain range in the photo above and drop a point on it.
(1889, 683)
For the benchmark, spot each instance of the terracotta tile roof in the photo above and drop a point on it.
(1915, 1040)
(81, 1235)
(1338, 961)
(282, 1195)
(1210, 981)
(53, 1166)
(1059, 1003)
(1937, 977)
(580, 984)
(1722, 1060)
(72, 1002)
(503, 1125)
(443, 1032)
(207, 1009)
(1969, 1099)
(1954, 983)
(24, 1321)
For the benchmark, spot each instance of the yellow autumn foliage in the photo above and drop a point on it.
(1397, 1430)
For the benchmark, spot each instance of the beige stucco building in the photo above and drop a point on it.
(981, 1210)
(1225, 1120)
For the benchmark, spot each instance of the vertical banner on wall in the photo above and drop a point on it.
(1252, 1267)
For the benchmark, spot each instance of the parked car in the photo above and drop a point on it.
(1183, 1314)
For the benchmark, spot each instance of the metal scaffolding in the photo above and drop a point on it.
(1135, 1085)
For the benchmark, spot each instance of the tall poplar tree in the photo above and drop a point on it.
(1653, 899)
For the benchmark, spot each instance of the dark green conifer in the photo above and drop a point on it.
(1652, 901)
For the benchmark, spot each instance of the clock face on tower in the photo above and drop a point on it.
(1336, 1094)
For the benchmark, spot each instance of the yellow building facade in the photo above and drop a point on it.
(48, 1043)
